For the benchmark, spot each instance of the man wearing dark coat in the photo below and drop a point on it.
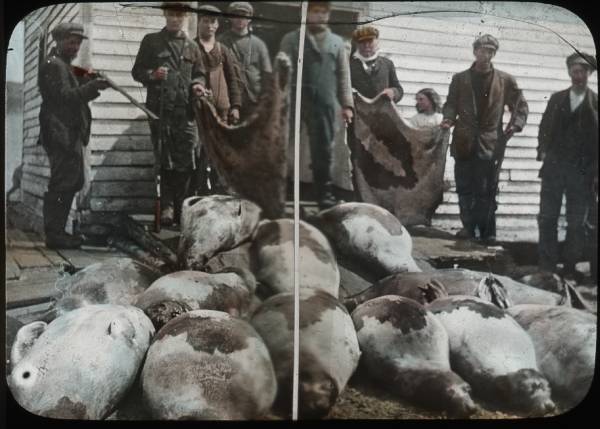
(475, 106)
(169, 64)
(251, 53)
(65, 121)
(325, 82)
(370, 73)
(568, 147)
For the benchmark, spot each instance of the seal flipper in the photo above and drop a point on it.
(492, 290)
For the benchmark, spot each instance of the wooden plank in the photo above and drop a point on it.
(17, 238)
(12, 268)
(123, 189)
(81, 258)
(52, 256)
(115, 158)
(30, 258)
(128, 205)
(101, 173)
(122, 142)
(21, 293)
(35, 239)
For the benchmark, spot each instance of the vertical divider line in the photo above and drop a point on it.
(298, 106)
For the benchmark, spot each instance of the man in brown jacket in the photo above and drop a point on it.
(568, 147)
(475, 105)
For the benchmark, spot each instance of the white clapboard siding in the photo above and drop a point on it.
(428, 49)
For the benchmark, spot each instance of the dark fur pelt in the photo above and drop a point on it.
(251, 157)
(395, 166)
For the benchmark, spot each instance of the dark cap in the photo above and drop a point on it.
(323, 4)
(582, 58)
(364, 33)
(486, 41)
(241, 8)
(66, 29)
(184, 6)
(209, 8)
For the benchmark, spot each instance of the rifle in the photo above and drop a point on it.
(80, 71)
(158, 157)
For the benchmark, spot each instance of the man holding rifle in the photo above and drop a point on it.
(475, 106)
(65, 120)
(169, 65)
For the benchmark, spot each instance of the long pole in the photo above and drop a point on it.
(297, 210)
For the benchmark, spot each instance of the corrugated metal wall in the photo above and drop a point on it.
(428, 49)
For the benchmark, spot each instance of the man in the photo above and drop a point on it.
(251, 53)
(475, 105)
(568, 147)
(370, 73)
(169, 64)
(65, 120)
(325, 81)
(429, 108)
(222, 71)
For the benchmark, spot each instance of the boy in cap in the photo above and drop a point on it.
(170, 65)
(325, 82)
(65, 120)
(475, 106)
(568, 147)
(370, 73)
(251, 53)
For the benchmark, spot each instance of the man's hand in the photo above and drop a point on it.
(347, 115)
(100, 84)
(447, 124)
(389, 93)
(541, 156)
(160, 73)
(509, 131)
(199, 90)
(234, 115)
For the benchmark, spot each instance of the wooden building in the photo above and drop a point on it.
(427, 50)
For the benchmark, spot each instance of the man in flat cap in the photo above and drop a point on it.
(475, 106)
(251, 53)
(568, 148)
(224, 82)
(65, 121)
(325, 83)
(170, 65)
(370, 73)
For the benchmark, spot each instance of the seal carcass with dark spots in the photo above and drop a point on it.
(272, 258)
(182, 291)
(494, 354)
(565, 346)
(214, 224)
(328, 348)
(368, 235)
(456, 281)
(12, 327)
(394, 165)
(406, 348)
(112, 281)
(208, 365)
(81, 364)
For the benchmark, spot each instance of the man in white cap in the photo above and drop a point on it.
(568, 147)
(251, 52)
(475, 107)
(65, 120)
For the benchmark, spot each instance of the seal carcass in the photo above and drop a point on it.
(272, 258)
(565, 346)
(206, 364)
(406, 349)
(491, 351)
(328, 348)
(214, 224)
(182, 291)
(368, 235)
(81, 364)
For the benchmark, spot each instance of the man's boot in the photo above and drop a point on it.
(325, 197)
(56, 212)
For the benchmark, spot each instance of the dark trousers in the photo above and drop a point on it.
(174, 188)
(557, 181)
(320, 122)
(476, 196)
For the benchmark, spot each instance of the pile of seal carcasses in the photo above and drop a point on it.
(215, 340)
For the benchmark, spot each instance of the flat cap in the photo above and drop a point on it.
(65, 29)
(486, 41)
(209, 8)
(176, 5)
(241, 8)
(364, 33)
(582, 58)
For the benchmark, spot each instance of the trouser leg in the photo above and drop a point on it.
(550, 203)
(485, 198)
(320, 126)
(463, 176)
(577, 196)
